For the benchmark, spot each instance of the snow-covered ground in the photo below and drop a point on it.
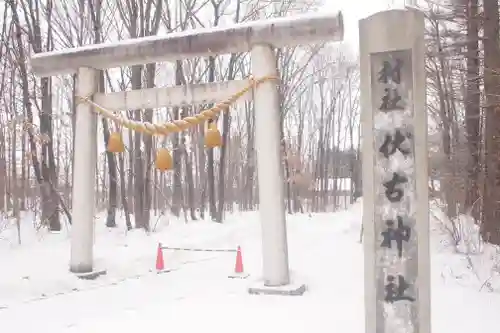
(37, 294)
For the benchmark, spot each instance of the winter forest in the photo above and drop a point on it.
(319, 118)
(320, 126)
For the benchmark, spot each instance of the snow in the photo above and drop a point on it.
(252, 25)
(37, 294)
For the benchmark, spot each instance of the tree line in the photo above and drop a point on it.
(319, 116)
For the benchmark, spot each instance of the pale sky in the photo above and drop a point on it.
(355, 10)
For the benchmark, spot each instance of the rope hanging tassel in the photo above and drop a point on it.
(213, 137)
(164, 159)
(115, 143)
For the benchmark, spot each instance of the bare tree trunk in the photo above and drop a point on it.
(137, 153)
(226, 120)
(47, 153)
(472, 103)
(95, 12)
(141, 19)
(177, 195)
(490, 227)
(3, 172)
(123, 192)
(188, 170)
(210, 152)
(250, 158)
(50, 211)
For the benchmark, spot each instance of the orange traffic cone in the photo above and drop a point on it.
(160, 265)
(238, 267)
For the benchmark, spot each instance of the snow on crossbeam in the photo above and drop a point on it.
(279, 32)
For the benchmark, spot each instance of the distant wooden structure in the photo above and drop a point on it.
(343, 174)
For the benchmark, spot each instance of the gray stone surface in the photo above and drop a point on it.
(91, 275)
(293, 289)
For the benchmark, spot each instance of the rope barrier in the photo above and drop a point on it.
(197, 250)
(176, 125)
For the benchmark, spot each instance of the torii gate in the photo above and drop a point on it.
(259, 37)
